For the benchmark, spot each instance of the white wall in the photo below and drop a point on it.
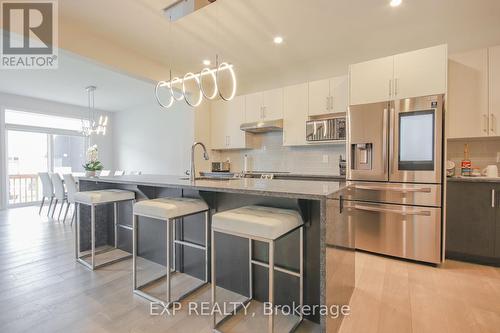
(157, 141)
(22, 103)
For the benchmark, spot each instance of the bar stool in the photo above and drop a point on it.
(93, 199)
(265, 224)
(169, 210)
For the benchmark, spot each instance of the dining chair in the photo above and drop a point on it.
(119, 173)
(47, 190)
(71, 189)
(59, 193)
(104, 173)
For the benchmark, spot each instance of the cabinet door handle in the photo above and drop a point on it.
(485, 123)
(390, 87)
(492, 198)
(328, 102)
(396, 81)
(492, 123)
(331, 103)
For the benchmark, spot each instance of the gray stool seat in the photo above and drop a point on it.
(257, 221)
(265, 224)
(168, 208)
(103, 196)
(93, 199)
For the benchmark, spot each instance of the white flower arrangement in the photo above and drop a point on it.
(93, 163)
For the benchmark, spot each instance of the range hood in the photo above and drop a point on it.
(177, 9)
(263, 126)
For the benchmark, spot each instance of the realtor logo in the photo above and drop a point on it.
(29, 35)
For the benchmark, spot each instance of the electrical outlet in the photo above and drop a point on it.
(325, 158)
(228, 159)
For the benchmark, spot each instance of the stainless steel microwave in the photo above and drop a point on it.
(330, 129)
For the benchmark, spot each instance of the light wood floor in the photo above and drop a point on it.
(43, 289)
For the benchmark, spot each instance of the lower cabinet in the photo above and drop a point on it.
(473, 221)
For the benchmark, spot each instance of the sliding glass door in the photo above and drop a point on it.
(28, 154)
(40, 143)
(31, 152)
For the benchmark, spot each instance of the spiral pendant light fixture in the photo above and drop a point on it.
(200, 91)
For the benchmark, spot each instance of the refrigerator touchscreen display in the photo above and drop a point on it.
(416, 140)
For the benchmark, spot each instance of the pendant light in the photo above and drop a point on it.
(90, 126)
(200, 90)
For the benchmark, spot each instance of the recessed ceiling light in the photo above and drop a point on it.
(395, 3)
(206, 62)
(278, 40)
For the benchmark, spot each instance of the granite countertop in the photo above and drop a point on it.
(474, 179)
(289, 188)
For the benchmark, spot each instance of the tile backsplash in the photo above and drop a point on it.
(482, 152)
(269, 154)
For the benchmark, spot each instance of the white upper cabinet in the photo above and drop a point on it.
(467, 100)
(371, 81)
(253, 107)
(267, 105)
(411, 74)
(295, 115)
(420, 73)
(328, 96)
(226, 118)
(319, 97)
(273, 104)
(494, 90)
(218, 135)
(339, 85)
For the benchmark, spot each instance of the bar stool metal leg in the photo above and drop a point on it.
(270, 324)
(214, 284)
(92, 236)
(115, 217)
(174, 234)
(134, 251)
(206, 245)
(168, 261)
(250, 269)
(301, 272)
(77, 231)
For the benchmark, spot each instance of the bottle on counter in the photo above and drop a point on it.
(466, 164)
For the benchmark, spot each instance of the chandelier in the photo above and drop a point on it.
(201, 89)
(202, 92)
(90, 126)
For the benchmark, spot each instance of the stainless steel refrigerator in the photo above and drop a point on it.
(395, 177)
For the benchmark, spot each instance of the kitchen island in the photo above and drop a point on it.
(329, 237)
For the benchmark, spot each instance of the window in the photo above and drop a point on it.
(22, 118)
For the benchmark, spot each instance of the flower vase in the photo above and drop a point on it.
(89, 173)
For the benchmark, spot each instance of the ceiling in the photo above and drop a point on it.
(66, 84)
(321, 36)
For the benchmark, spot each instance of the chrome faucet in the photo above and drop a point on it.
(192, 173)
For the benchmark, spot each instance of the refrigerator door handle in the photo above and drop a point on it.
(388, 157)
(395, 189)
(403, 211)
